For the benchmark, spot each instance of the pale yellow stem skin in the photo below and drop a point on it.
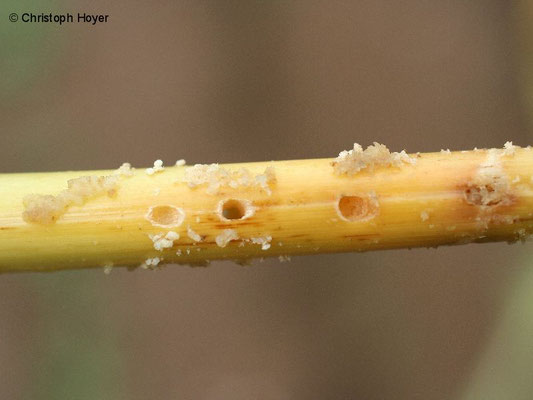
(417, 205)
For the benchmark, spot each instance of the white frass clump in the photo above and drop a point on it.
(108, 268)
(424, 216)
(509, 149)
(263, 180)
(164, 241)
(180, 163)
(125, 170)
(523, 235)
(171, 235)
(447, 151)
(158, 167)
(263, 241)
(151, 263)
(352, 161)
(225, 237)
(284, 258)
(46, 209)
(215, 177)
(193, 235)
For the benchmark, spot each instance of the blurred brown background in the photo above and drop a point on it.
(230, 81)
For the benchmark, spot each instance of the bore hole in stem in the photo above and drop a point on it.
(233, 210)
(357, 208)
(165, 216)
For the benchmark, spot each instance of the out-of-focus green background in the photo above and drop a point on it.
(230, 81)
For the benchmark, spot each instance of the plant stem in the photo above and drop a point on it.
(443, 199)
